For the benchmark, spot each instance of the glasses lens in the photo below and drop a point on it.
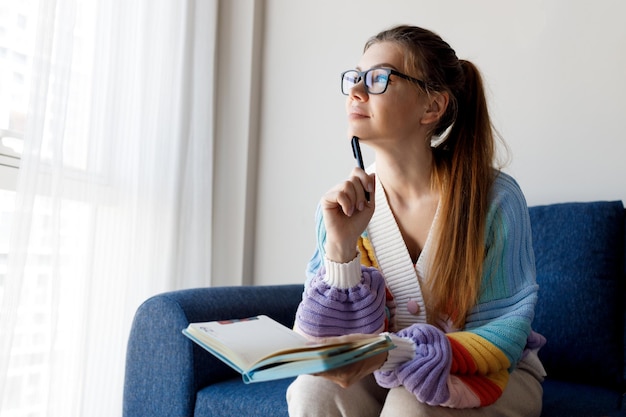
(348, 80)
(376, 80)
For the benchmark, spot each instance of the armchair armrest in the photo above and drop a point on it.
(164, 369)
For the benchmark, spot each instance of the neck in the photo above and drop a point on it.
(406, 174)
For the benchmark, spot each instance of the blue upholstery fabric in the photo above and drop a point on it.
(579, 256)
(568, 399)
(232, 398)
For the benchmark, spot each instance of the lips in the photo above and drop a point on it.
(357, 113)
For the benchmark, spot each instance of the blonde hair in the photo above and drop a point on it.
(462, 170)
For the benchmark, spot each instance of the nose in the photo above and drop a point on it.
(358, 92)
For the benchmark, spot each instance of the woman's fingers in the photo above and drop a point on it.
(350, 195)
(346, 215)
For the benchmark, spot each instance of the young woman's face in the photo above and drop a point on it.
(394, 114)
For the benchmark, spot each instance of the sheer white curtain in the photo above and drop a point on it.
(113, 198)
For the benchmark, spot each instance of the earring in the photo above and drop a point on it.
(437, 140)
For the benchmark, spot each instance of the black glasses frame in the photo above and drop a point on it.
(362, 76)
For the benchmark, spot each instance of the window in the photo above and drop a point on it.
(17, 41)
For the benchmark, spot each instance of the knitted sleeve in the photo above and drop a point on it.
(498, 327)
(342, 299)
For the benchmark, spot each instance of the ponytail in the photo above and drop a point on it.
(463, 169)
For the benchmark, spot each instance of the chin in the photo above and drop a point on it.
(363, 137)
(357, 133)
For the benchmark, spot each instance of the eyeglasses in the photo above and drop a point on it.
(376, 80)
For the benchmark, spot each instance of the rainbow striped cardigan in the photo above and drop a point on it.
(462, 368)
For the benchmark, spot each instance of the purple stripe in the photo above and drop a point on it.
(327, 311)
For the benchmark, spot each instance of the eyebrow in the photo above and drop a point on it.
(382, 65)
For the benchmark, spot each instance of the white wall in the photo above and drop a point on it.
(555, 71)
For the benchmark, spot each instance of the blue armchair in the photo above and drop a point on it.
(579, 250)
(168, 375)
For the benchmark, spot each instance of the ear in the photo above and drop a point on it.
(438, 103)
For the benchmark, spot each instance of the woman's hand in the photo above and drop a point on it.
(354, 372)
(346, 214)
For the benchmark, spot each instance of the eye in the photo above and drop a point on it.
(352, 78)
(381, 77)
(378, 76)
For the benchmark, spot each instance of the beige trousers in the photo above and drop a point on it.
(311, 396)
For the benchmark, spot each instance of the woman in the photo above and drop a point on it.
(440, 256)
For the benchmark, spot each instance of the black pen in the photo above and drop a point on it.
(356, 150)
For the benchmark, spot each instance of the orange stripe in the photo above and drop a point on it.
(484, 388)
(462, 361)
(485, 355)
